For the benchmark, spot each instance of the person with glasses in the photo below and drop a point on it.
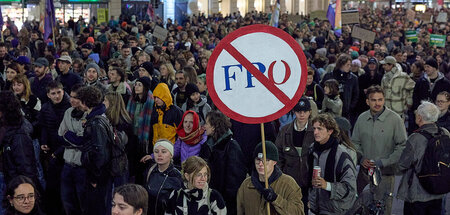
(443, 103)
(22, 196)
(283, 194)
(196, 197)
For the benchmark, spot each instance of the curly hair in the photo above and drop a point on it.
(10, 109)
(90, 96)
(328, 122)
(219, 122)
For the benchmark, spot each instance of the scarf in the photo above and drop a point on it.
(196, 134)
(98, 110)
(332, 144)
(260, 185)
(145, 116)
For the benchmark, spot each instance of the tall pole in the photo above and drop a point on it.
(266, 180)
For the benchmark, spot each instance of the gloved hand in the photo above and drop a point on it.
(269, 194)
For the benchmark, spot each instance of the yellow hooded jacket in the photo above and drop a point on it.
(166, 119)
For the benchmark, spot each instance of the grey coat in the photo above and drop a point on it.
(343, 191)
(410, 160)
(383, 139)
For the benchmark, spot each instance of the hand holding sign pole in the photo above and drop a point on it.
(257, 74)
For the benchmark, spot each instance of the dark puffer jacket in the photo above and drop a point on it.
(348, 89)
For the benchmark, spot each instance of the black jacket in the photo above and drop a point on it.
(422, 90)
(348, 89)
(444, 121)
(39, 87)
(49, 120)
(18, 152)
(159, 186)
(227, 169)
(96, 151)
(365, 81)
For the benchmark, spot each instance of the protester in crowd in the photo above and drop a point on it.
(166, 117)
(443, 103)
(68, 45)
(40, 81)
(167, 75)
(162, 178)
(92, 76)
(369, 78)
(397, 86)
(332, 103)
(196, 102)
(379, 136)
(196, 197)
(293, 142)
(348, 83)
(130, 199)
(23, 197)
(96, 154)
(334, 190)
(12, 70)
(117, 83)
(226, 176)
(73, 175)
(314, 90)
(417, 70)
(30, 104)
(179, 93)
(417, 199)
(67, 77)
(191, 138)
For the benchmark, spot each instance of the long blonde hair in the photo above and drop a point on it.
(22, 79)
(116, 112)
(171, 72)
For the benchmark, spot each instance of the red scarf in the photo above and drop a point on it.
(196, 134)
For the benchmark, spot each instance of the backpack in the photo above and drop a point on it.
(434, 175)
(118, 164)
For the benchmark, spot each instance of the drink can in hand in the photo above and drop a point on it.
(316, 171)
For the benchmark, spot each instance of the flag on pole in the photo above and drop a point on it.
(50, 19)
(275, 14)
(150, 11)
(1, 19)
(334, 16)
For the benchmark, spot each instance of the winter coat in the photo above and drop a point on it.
(343, 190)
(289, 200)
(159, 186)
(289, 160)
(201, 108)
(348, 89)
(69, 80)
(165, 120)
(398, 90)
(410, 162)
(365, 81)
(122, 89)
(424, 90)
(227, 168)
(184, 151)
(382, 140)
(71, 130)
(315, 91)
(204, 201)
(39, 87)
(18, 152)
(332, 106)
(444, 121)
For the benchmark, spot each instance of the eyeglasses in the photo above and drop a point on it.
(22, 198)
(200, 175)
(260, 161)
(441, 101)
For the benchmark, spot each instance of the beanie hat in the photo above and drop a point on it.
(90, 40)
(87, 46)
(271, 151)
(302, 105)
(93, 65)
(164, 143)
(147, 66)
(146, 82)
(356, 62)
(354, 54)
(432, 62)
(190, 89)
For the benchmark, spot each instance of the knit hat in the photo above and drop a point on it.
(124, 24)
(90, 40)
(93, 65)
(356, 62)
(147, 66)
(23, 60)
(354, 54)
(372, 60)
(87, 46)
(146, 82)
(432, 62)
(302, 105)
(271, 151)
(166, 144)
(190, 89)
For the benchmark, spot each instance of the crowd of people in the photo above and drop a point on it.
(65, 100)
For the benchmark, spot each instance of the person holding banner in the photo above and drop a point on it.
(283, 194)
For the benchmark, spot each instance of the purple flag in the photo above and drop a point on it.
(50, 20)
(1, 18)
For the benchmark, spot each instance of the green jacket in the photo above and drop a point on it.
(289, 200)
(383, 139)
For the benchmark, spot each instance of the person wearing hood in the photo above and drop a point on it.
(162, 178)
(167, 116)
(67, 77)
(284, 195)
(91, 77)
(146, 70)
(86, 51)
(196, 102)
(226, 159)
(191, 137)
(96, 153)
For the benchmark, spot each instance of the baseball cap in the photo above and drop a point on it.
(372, 60)
(65, 58)
(302, 105)
(389, 60)
(41, 62)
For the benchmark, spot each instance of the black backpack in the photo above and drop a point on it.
(434, 175)
(118, 164)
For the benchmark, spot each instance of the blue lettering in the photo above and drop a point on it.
(228, 77)
(261, 68)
